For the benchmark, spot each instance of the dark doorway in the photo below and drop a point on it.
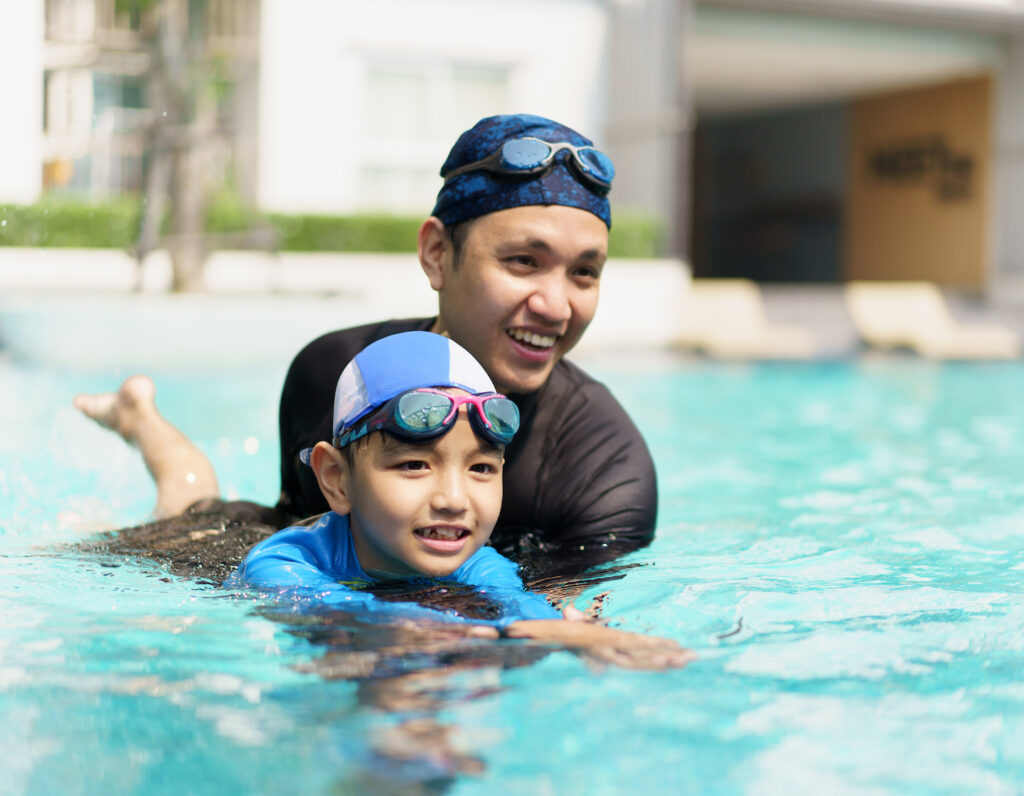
(768, 195)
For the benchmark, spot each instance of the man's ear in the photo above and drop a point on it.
(435, 251)
(334, 475)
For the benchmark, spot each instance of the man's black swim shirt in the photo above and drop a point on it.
(579, 480)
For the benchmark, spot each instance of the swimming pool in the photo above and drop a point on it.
(842, 543)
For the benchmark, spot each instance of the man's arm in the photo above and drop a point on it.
(605, 644)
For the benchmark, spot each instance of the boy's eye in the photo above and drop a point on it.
(483, 468)
(413, 466)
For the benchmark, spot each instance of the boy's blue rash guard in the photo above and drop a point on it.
(320, 560)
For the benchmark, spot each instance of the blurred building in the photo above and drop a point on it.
(834, 140)
(357, 102)
(781, 140)
(90, 119)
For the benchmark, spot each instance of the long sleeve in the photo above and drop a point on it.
(318, 565)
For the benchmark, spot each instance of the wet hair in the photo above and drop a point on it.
(457, 234)
(349, 450)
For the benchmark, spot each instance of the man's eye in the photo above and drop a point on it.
(521, 259)
(588, 272)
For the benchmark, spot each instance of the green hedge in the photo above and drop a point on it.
(635, 235)
(357, 233)
(111, 225)
(114, 225)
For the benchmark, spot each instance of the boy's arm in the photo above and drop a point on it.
(629, 650)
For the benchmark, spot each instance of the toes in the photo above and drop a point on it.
(119, 411)
(101, 407)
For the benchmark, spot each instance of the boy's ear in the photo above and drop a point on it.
(334, 476)
(435, 251)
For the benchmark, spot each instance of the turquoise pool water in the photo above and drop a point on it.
(842, 543)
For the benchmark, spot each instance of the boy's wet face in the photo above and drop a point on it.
(423, 509)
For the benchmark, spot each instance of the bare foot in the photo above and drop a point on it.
(120, 411)
(182, 473)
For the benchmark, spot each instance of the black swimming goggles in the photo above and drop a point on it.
(529, 155)
(425, 414)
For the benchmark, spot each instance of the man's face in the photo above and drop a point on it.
(426, 508)
(523, 291)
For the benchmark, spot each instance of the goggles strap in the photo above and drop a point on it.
(386, 418)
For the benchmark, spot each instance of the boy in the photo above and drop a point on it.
(413, 480)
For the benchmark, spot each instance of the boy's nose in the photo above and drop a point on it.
(451, 495)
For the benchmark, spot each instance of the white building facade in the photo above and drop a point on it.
(21, 140)
(360, 102)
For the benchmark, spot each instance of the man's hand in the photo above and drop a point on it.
(629, 650)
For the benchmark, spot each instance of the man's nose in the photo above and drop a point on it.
(550, 297)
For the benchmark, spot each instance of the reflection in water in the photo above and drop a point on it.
(411, 672)
(408, 671)
(414, 670)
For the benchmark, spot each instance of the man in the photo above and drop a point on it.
(515, 248)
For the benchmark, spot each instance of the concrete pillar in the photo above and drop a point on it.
(650, 116)
(21, 134)
(1008, 165)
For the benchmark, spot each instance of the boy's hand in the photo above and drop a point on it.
(591, 614)
(629, 650)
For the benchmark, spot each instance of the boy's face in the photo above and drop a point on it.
(422, 509)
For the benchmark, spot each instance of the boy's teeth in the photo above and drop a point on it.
(538, 340)
(449, 534)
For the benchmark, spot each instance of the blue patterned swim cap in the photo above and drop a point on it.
(478, 193)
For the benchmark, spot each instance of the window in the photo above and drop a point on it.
(479, 92)
(109, 20)
(413, 112)
(69, 20)
(396, 104)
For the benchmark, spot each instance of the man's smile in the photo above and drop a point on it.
(532, 339)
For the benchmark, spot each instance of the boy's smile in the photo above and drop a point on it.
(425, 508)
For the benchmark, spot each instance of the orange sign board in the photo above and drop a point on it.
(918, 203)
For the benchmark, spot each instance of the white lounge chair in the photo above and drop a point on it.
(725, 318)
(914, 315)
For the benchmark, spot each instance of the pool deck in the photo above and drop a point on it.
(57, 306)
(820, 309)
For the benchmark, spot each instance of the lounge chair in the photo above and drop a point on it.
(725, 318)
(914, 315)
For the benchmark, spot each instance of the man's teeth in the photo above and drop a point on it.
(448, 534)
(531, 338)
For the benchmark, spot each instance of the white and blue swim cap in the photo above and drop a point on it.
(400, 363)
